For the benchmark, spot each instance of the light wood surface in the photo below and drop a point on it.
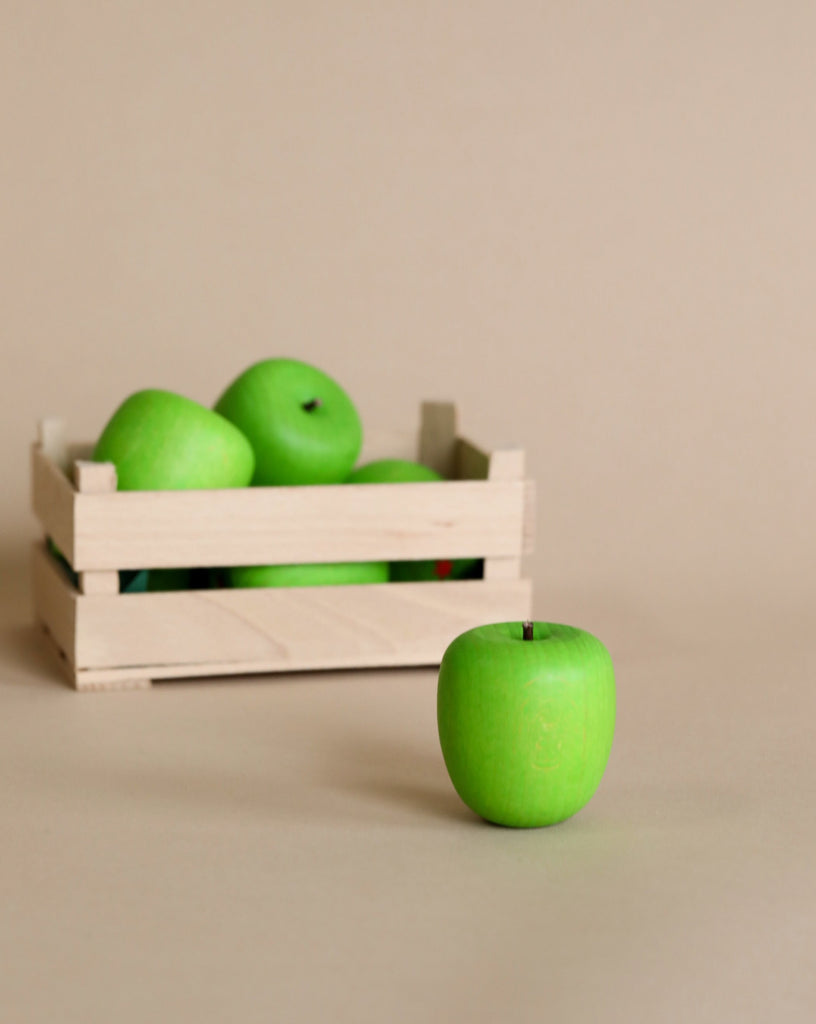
(54, 601)
(111, 640)
(52, 439)
(52, 500)
(508, 464)
(219, 632)
(100, 529)
(96, 478)
(265, 525)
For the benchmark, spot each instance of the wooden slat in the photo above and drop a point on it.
(476, 462)
(470, 461)
(504, 464)
(511, 568)
(96, 478)
(54, 600)
(52, 499)
(502, 568)
(51, 439)
(105, 582)
(268, 630)
(61, 662)
(259, 525)
(120, 679)
(437, 437)
(108, 640)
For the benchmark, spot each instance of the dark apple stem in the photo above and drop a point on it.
(527, 630)
(311, 405)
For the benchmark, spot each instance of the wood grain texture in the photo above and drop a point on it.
(105, 582)
(52, 500)
(505, 464)
(268, 630)
(502, 568)
(61, 663)
(264, 525)
(96, 478)
(109, 640)
(54, 600)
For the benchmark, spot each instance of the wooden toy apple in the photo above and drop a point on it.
(393, 471)
(526, 715)
(302, 425)
(159, 440)
(313, 574)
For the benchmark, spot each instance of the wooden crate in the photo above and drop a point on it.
(111, 640)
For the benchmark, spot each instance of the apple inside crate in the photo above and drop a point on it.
(106, 639)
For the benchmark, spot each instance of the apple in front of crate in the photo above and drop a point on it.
(314, 574)
(401, 471)
(526, 716)
(302, 425)
(159, 440)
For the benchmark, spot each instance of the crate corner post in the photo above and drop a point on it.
(93, 478)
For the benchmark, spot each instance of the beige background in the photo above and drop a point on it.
(592, 227)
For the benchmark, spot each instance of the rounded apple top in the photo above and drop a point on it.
(393, 471)
(302, 425)
(510, 632)
(555, 651)
(159, 440)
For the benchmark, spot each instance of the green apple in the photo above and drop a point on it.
(394, 471)
(526, 715)
(159, 440)
(302, 425)
(315, 574)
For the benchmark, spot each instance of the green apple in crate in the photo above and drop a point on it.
(401, 471)
(393, 471)
(314, 574)
(159, 440)
(302, 425)
(526, 715)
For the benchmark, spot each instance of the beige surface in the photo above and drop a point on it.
(594, 229)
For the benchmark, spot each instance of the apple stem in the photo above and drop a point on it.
(527, 630)
(311, 405)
